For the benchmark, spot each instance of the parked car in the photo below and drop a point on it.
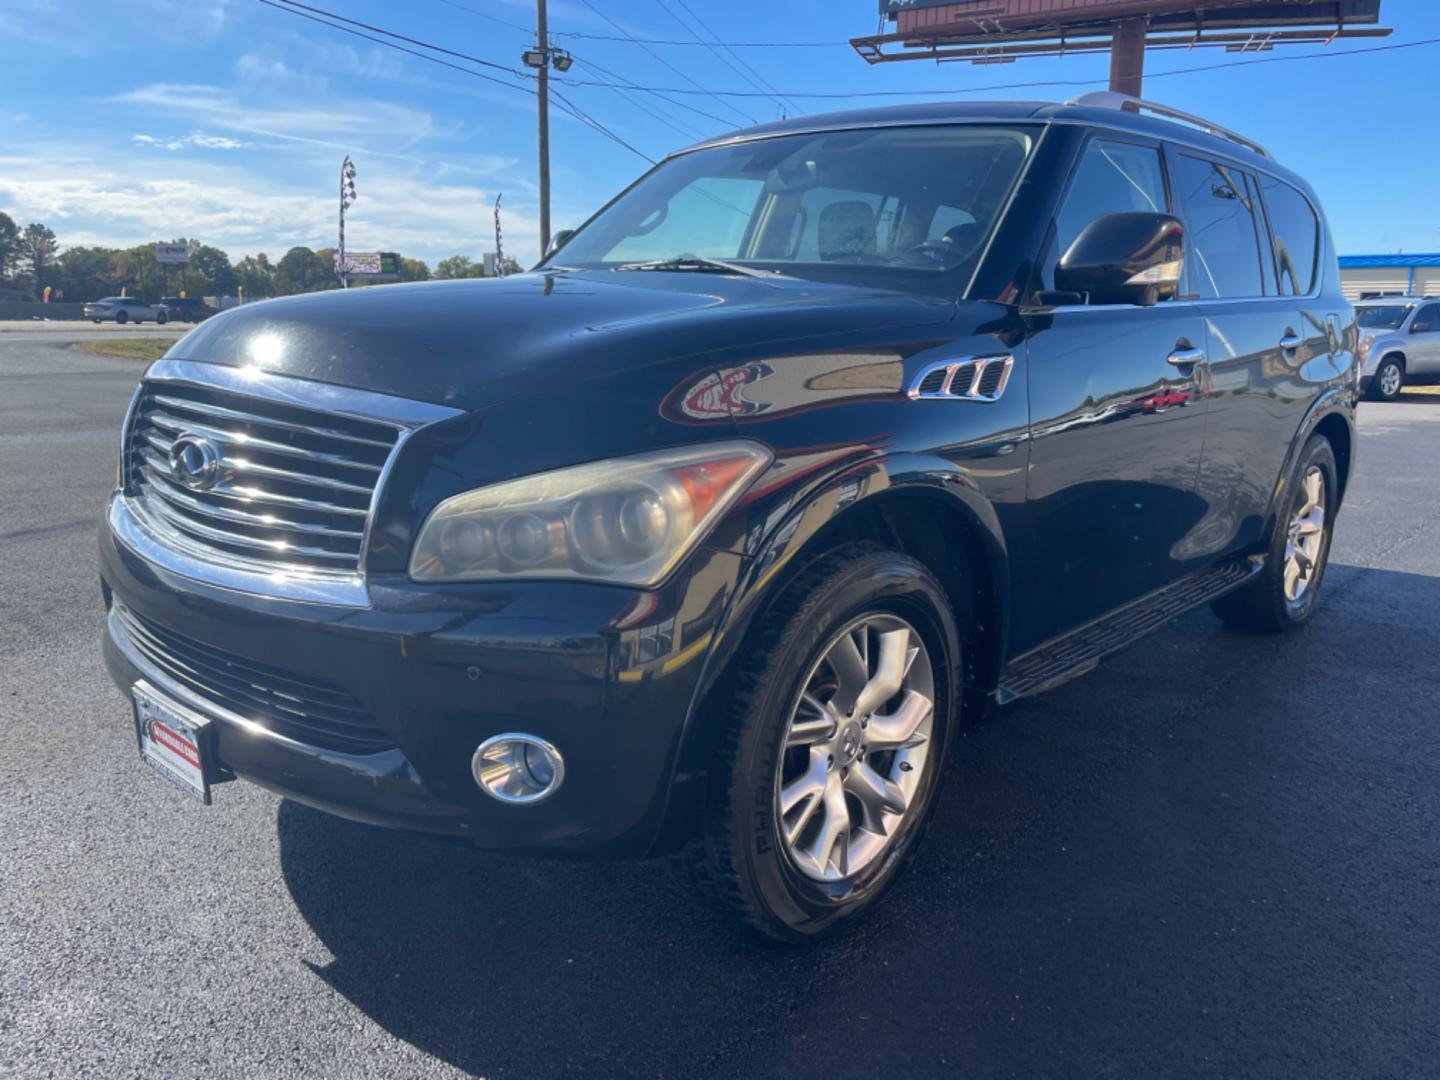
(711, 534)
(1399, 338)
(191, 309)
(123, 309)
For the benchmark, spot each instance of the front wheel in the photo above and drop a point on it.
(1389, 379)
(1282, 596)
(840, 720)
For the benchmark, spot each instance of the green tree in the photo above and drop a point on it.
(214, 265)
(37, 247)
(9, 244)
(301, 270)
(254, 274)
(138, 272)
(457, 266)
(510, 265)
(414, 270)
(86, 273)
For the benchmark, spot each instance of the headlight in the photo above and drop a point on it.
(627, 520)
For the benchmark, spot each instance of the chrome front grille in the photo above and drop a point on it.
(306, 710)
(292, 485)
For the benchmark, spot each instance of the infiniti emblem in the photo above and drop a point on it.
(194, 462)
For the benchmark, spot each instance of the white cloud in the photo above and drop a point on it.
(197, 138)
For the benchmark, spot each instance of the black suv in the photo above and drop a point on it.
(709, 534)
(187, 308)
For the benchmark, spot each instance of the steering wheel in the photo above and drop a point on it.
(940, 251)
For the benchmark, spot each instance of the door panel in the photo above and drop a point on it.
(1116, 438)
(1422, 351)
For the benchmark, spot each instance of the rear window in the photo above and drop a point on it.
(1296, 232)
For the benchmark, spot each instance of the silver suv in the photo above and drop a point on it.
(1399, 338)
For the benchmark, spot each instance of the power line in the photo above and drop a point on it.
(632, 85)
(527, 31)
(758, 84)
(567, 106)
(645, 108)
(738, 58)
(672, 67)
(401, 37)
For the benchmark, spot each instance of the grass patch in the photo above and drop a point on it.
(129, 348)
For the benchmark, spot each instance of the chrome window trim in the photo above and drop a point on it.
(149, 538)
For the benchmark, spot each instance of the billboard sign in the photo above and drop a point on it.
(172, 254)
(890, 7)
(369, 264)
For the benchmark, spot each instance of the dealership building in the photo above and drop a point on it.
(1364, 276)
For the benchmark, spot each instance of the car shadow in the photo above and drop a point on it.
(1210, 851)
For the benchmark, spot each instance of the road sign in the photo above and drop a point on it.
(173, 254)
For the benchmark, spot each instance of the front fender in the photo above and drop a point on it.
(801, 526)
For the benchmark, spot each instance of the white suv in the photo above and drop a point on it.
(1399, 337)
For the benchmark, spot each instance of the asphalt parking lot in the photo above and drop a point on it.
(1217, 856)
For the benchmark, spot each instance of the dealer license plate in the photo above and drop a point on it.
(172, 740)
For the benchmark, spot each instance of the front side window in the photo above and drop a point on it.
(1222, 248)
(1427, 320)
(1296, 232)
(857, 207)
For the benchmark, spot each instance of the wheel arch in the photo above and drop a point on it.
(927, 509)
(1331, 415)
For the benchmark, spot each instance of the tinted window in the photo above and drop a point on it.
(1222, 251)
(1297, 236)
(1112, 178)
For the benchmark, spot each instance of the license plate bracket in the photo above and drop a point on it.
(174, 740)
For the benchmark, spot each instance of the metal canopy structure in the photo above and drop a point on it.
(1003, 31)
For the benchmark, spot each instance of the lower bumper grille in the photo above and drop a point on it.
(306, 710)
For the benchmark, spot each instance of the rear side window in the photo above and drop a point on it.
(1112, 178)
(1296, 232)
(1222, 248)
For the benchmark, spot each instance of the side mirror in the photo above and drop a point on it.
(1421, 326)
(559, 240)
(1132, 258)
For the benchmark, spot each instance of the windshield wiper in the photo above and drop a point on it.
(701, 265)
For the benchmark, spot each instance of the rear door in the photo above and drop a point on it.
(1117, 422)
(1264, 329)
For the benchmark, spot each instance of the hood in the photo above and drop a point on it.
(475, 343)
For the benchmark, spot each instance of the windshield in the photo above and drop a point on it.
(1382, 316)
(898, 208)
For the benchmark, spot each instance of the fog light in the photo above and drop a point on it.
(517, 768)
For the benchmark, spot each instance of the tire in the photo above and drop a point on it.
(1268, 603)
(1391, 373)
(161, 318)
(96, 321)
(122, 318)
(743, 861)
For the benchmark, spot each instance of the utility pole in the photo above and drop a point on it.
(542, 88)
(540, 58)
(1127, 55)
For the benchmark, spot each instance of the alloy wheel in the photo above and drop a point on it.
(1390, 380)
(855, 749)
(1306, 540)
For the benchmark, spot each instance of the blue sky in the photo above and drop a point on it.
(225, 120)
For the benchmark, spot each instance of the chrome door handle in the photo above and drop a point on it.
(1291, 341)
(1186, 357)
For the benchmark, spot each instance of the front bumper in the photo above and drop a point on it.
(605, 674)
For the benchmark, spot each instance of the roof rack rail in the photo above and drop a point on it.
(1109, 99)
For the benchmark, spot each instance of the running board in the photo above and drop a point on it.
(1064, 658)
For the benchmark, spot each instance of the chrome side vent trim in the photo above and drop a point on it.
(976, 378)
